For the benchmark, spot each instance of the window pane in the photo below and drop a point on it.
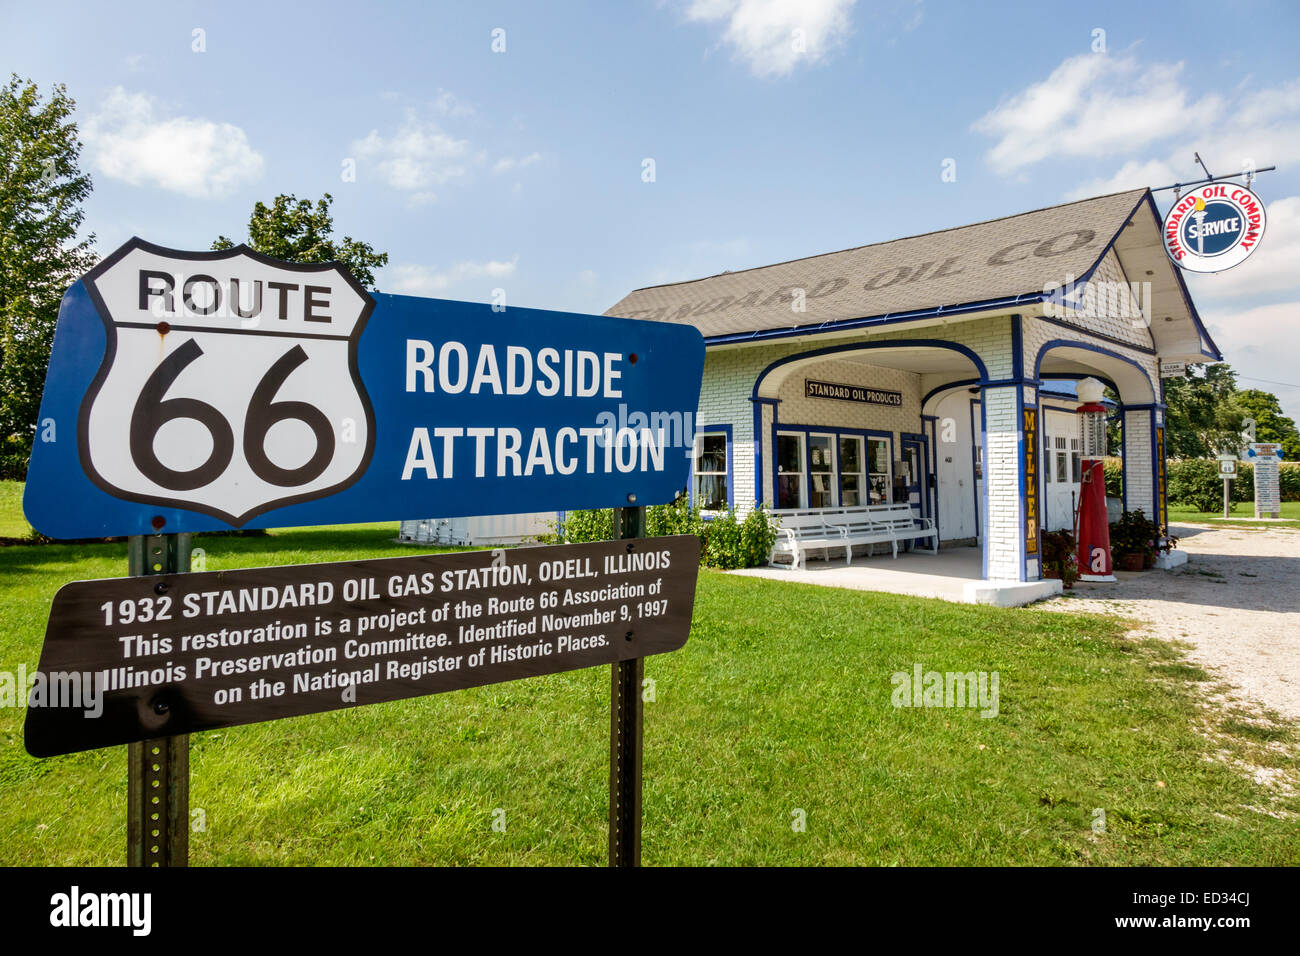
(711, 492)
(819, 491)
(879, 489)
(878, 455)
(1048, 459)
(819, 453)
(789, 453)
(1060, 466)
(1077, 460)
(787, 491)
(713, 454)
(851, 455)
(850, 490)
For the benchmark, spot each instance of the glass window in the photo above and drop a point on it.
(711, 472)
(878, 474)
(821, 471)
(1076, 460)
(789, 468)
(851, 483)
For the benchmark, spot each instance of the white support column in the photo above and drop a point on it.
(1140, 462)
(1003, 546)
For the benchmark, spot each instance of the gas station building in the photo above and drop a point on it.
(940, 370)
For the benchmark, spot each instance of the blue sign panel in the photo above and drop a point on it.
(219, 390)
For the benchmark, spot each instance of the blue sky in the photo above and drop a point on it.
(522, 169)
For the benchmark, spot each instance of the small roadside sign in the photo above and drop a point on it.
(1228, 466)
(1173, 369)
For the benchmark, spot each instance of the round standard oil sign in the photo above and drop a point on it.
(1214, 227)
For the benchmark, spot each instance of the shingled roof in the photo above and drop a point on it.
(988, 265)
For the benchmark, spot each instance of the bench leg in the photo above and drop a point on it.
(848, 555)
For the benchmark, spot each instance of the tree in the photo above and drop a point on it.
(1202, 419)
(1270, 423)
(41, 192)
(296, 231)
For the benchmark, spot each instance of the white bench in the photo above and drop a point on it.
(801, 531)
(826, 529)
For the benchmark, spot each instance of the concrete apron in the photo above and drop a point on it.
(951, 575)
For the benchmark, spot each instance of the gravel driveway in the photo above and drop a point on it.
(1236, 601)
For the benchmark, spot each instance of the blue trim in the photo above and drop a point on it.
(1022, 553)
(1155, 473)
(731, 488)
(928, 426)
(1114, 340)
(975, 477)
(866, 346)
(964, 383)
(889, 318)
(1144, 407)
(1087, 347)
(1123, 457)
(1075, 376)
(863, 433)
(1017, 348)
(981, 500)
(758, 445)
(922, 484)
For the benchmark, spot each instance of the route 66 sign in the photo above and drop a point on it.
(199, 391)
(226, 378)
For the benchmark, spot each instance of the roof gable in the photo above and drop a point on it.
(998, 263)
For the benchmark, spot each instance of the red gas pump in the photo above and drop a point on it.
(1092, 527)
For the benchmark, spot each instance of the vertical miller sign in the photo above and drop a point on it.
(1030, 414)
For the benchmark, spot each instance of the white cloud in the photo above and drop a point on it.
(1093, 104)
(417, 157)
(507, 163)
(430, 281)
(130, 139)
(1261, 344)
(1100, 105)
(1272, 267)
(774, 36)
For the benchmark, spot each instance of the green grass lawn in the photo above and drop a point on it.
(1240, 509)
(12, 522)
(781, 701)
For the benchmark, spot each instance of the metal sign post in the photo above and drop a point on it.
(1228, 471)
(626, 714)
(158, 771)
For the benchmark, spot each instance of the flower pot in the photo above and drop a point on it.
(1130, 562)
(1148, 561)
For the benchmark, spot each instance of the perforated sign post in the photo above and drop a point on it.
(192, 392)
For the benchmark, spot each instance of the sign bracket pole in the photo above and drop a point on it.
(158, 771)
(625, 741)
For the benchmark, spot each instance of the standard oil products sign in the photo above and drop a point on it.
(208, 391)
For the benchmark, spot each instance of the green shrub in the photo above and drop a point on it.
(1197, 482)
(1114, 470)
(725, 541)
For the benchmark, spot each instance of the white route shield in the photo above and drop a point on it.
(229, 384)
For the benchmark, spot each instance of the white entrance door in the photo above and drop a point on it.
(1062, 461)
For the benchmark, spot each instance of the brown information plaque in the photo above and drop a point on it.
(129, 659)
